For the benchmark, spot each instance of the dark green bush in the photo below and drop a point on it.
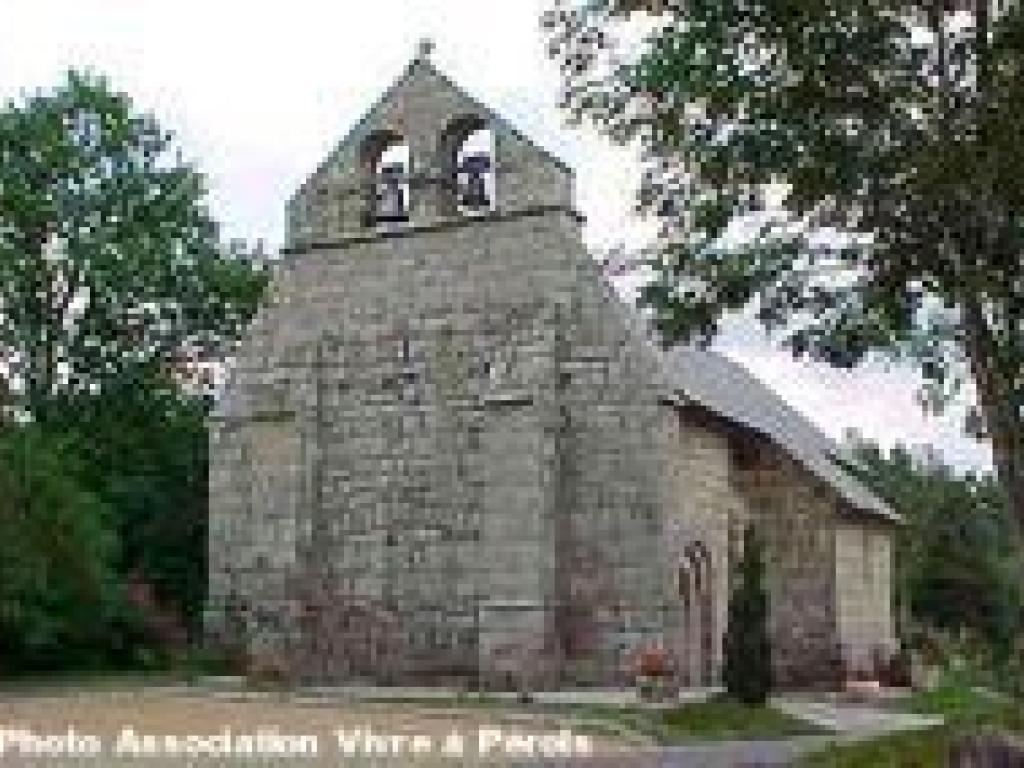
(747, 672)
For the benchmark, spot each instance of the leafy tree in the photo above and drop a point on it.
(848, 168)
(110, 265)
(113, 284)
(747, 666)
(957, 564)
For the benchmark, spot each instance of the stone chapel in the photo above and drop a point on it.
(448, 454)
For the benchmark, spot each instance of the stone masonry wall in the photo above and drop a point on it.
(254, 486)
(796, 518)
(445, 457)
(434, 385)
(703, 507)
(864, 583)
(612, 577)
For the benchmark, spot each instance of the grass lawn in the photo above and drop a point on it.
(916, 749)
(723, 720)
(966, 712)
(714, 720)
(964, 704)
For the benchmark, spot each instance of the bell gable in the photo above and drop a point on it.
(426, 151)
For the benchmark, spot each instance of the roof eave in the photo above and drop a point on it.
(877, 509)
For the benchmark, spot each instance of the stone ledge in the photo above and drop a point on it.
(432, 226)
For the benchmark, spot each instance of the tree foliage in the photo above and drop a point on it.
(957, 566)
(114, 285)
(747, 664)
(848, 168)
(110, 264)
(147, 461)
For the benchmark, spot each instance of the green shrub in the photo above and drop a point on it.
(57, 551)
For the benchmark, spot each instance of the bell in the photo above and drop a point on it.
(473, 173)
(391, 202)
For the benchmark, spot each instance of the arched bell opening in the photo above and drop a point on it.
(385, 163)
(467, 167)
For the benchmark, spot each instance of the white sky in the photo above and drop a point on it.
(258, 91)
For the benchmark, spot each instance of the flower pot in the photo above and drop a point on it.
(655, 688)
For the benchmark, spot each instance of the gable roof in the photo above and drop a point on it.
(692, 374)
(726, 388)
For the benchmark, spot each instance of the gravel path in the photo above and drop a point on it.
(856, 721)
(164, 728)
(151, 727)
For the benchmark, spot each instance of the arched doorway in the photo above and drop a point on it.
(696, 593)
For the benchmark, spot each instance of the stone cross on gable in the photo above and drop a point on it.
(425, 48)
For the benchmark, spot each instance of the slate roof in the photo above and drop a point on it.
(726, 388)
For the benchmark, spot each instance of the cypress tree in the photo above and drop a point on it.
(747, 670)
